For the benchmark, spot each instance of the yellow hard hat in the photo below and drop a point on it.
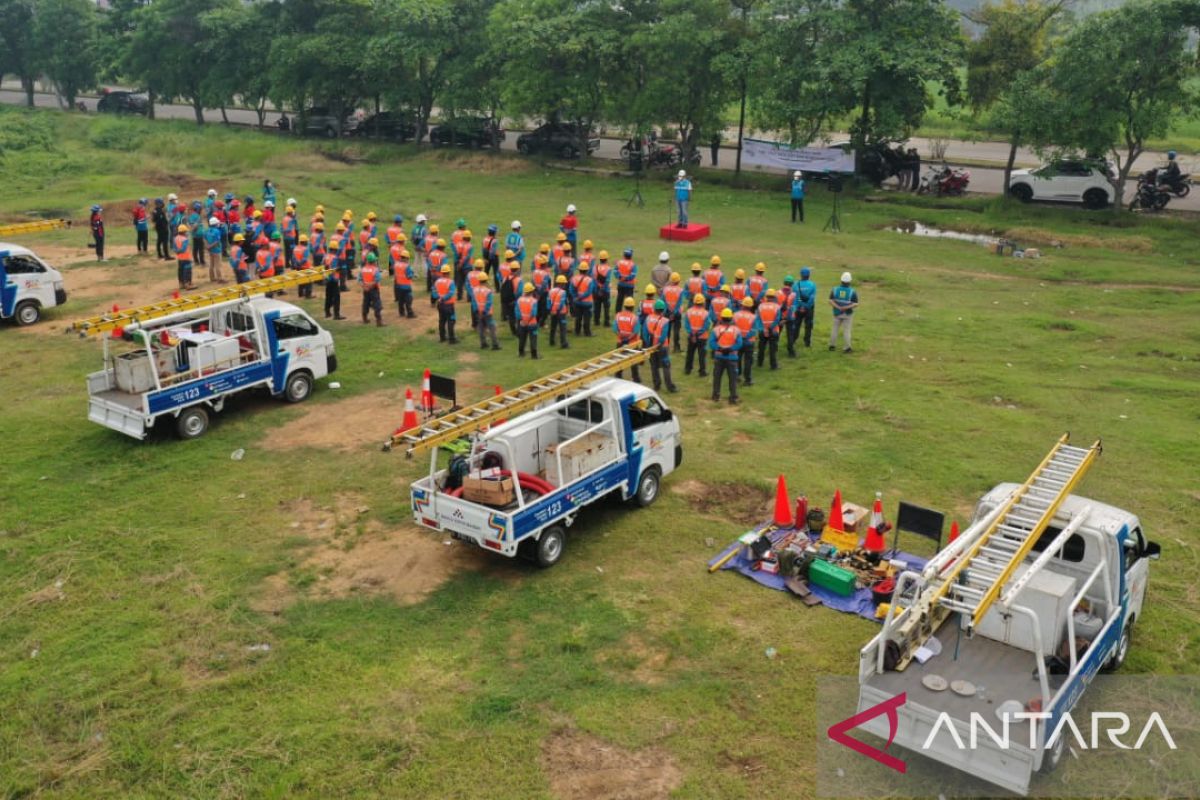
(695, 266)
(603, 256)
(566, 248)
(347, 214)
(741, 273)
(674, 277)
(366, 222)
(697, 299)
(237, 237)
(561, 279)
(404, 252)
(466, 234)
(374, 241)
(747, 302)
(371, 215)
(771, 293)
(509, 254)
(562, 237)
(257, 214)
(320, 208)
(528, 288)
(440, 243)
(303, 238)
(629, 302)
(434, 229)
(479, 263)
(727, 313)
(651, 289)
(725, 287)
(760, 267)
(587, 244)
(543, 248)
(445, 269)
(584, 266)
(182, 229)
(715, 261)
(539, 259)
(400, 237)
(318, 226)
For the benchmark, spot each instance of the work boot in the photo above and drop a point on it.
(848, 350)
(495, 347)
(365, 320)
(832, 348)
(378, 323)
(339, 316)
(733, 401)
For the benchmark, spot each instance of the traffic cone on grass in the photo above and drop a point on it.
(783, 508)
(874, 540)
(410, 414)
(426, 394)
(953, 530)
(835, 513)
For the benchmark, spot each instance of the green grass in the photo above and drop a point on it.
(143, 683)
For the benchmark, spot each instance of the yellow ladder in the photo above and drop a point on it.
(972, 584)
(118, 319)
(473, 418)
(16, 228)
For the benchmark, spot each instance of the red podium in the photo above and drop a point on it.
(692, 232)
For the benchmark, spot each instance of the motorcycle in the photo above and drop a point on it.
(1150, 196)
(1179, 186)
(944, 181)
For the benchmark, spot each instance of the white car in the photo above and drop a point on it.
(27, 285)
(1068, 181)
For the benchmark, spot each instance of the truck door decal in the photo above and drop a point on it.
(279, 361)
(497, 525)
(8, 292)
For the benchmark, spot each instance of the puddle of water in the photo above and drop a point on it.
(917, 229)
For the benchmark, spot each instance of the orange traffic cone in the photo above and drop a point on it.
(874, 541)
(116, 308)
(410, 413)
(835, 513)
(175, 295)
(783, 508)
(953, 530)
(426, 394)
(498, 393)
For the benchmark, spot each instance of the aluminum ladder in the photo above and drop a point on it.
(974, 581)
(119, 319)
(466, 421)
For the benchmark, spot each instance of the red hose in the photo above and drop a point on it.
(527, 481)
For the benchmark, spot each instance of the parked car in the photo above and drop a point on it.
(319, 121)
(467, 132)
(395, 125)
(121, 102)
(559, 138)
(1065, 181)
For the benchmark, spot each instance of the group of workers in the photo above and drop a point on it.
(569, 289)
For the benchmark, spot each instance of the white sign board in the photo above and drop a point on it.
(807, 159)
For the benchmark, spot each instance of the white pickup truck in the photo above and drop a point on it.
(1066, 614)
(27, 285)
(612, 435)
(185, 365)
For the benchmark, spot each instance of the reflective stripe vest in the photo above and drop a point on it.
(276, 251)
(744, 320)
(429, 244)
(556, 254)
(695, 285)
(541, 280)
(237, 258)
(363, 236)
(483, 299)
(436, 259)
(474, 277)
(758, 287)
(290, 228)
(489, 245)
(581, 286)
(625, 323)
(626, 272)
(726, 336)
(444, 289)
(672, 294)
(565, 265)
(300, 257)
(786, 297)
(602, 270)
(769, 315)
(713, 279)
(264, 266)
(658, 326)
(527, 311)
(737, 292)
(394, 253)
(402, 272)
(456, 237)
(369, 274)
(515, 282)
(394, 232)
(558, 301)
(462, 253)
(697, 320)
(506, 270)
(646, 308)
(718, 304)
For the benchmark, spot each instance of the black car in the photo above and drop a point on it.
(319, 121)
(558, 138)
(467, 132)
(393, 125)
(120, 102)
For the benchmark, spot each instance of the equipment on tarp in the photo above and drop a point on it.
(874, 541)
(835, 532)
(829, 576)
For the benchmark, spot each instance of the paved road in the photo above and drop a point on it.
(984, 180)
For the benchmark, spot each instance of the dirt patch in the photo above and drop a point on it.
(741, 437)
(352, 554)
(1043, 238)
(182, 184)
(482, 163)
(349, 424)
(739, 502)
(584, 767)
(743, 766)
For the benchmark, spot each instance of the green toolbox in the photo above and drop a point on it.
(835, 579)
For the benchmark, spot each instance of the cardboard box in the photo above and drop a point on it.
(497, 492)
(579, 457)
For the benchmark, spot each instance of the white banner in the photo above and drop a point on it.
(807, 159)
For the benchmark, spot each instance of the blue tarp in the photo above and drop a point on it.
(859, 603)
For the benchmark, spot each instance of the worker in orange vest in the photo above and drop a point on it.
(587, 254)
(626, 277)
(714, 279)
(183, 255)
(473, 278)
(566, 261)
(444, 298)
(739, 291)
(582, 293)
(725, 342)
(435, 259)
(758, 283)
(291, 232)
(656, 335)
(542, 283)
(603, 273)
(719, 302)
(402, 277)
(463, 251)
(368, 278)
(333, 279)
(628, 328)
(237, 259)
(672, 295)
(770, 322)
(481, 301)
(696, 324)
(460, 229)
(695, 284)
(395, 231)
(491, 251)
(431, 272)
(527, 321)
(557, 253)
(511, 293)
(508, 294)
(559, 302)
(747, 322)
(646, 307)
(302, 259)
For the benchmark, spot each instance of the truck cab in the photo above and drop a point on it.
(27, 285)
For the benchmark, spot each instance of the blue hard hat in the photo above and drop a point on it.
(228, 196)
(196, 204)
(1171, 154)
(143, 201)
(158, 201)
(805, 272)
(397, 219)
(628, 252)
(492, 229)
(95, 209)
(248, 199)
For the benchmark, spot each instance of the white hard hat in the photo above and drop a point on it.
(422, 218)
(516, 224)
(214, 221)
(291, 201)
(664, 256)
(269, 204)
(845, 277)
(172, 196)
(212, 192)
(683, 173)
(570, 208)
(796, 174)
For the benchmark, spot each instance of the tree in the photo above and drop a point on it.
(65, 38)
(788, 81)
(1122, 76)
(1002, 61)
(116, 29)
(17, 50)
(239, 71)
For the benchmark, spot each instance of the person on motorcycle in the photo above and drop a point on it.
(1171, 174)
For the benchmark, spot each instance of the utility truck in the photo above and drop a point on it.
(182, 359)
(27, 285)
(1014, 617)
(578, 435)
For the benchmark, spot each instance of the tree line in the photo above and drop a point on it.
(1103, 84)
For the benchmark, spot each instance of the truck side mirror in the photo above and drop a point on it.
(1152, 551)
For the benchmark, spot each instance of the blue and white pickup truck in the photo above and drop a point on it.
(27, 285)
(611, 436)
(186, 365)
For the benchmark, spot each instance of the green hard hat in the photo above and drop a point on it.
(462, 223)
(659, 305)
(371, 258)
(789, 279)
(276, 235)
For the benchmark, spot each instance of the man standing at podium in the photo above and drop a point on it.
(683, 196)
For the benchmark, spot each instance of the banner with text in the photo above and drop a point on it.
(761, 153)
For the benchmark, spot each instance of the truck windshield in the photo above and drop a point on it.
(22, 265)
(293, 326)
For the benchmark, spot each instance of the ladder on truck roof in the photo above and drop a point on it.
(465, 421)
(14, 228)
(119, 319)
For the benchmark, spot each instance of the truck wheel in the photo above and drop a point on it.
(299, 387)
(28, 313)
(1118, 657)
(568, 152)
(647, 491)
(1022, 191)
(550, 546)
(192, 423)
(1053, 757)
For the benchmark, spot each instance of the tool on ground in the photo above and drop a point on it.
(17, 228)
(122, 319)
(474, 418)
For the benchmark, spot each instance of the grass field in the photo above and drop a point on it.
(140, 581)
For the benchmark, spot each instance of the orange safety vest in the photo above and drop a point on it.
(587, 258)
(672, 293)
(745, 322)
(456, 237)
(277, 254)
(444, 289)
(505, 271)
(393, 233)
(237, 257)
(583, 288)
(602, 270)
(541, 277)
(266, 267)
(400, 273)
(626, 322)
(363, 236)
(695, 285)
(489, 244)
(625, 270)
(558, 301)
(718, 304)
(654, 326)
(430, 243)
(647, 307)
(556, 253)
(712, 279)
(394, 251)
(738, 292)
(565, 264)
(370, 277)
(300, 257)
(697, 317)
(474, 276)
(527, 309)
(290, 228)
(768, 312)
(482, 295)
(183, 250)
(462, 250)
(727, 336)
(758, 285)
(436, 259)
(515, 281)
